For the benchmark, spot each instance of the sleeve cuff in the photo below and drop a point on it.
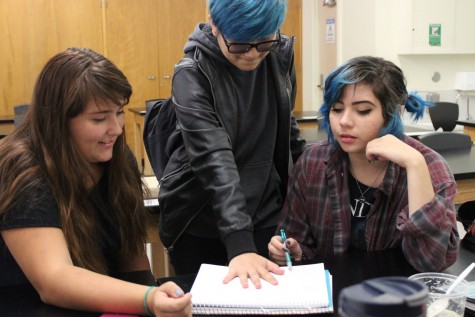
(238, 243)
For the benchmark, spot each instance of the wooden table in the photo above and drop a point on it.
(160, 262)
(5, 129)
(468, 127)
(6, 125)
(307, 119)
(462, 164)
(7, 118)
(466, 190)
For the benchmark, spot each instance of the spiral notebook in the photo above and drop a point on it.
(306, 289)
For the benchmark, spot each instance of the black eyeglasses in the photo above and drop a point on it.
(240, 48)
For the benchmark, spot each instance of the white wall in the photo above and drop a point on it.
(380, 28)
(355, 29)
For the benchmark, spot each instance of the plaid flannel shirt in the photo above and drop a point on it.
(317, 210)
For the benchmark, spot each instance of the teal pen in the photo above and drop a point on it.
(287, 254)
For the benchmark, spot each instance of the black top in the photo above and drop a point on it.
(255, 104)
(39, 209)
(361, 201)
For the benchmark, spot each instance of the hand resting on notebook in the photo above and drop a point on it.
(254, 267)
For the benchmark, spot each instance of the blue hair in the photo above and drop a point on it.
(248, 20)
(388, 85)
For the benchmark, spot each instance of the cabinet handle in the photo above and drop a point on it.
(167, 77)
(151, 77)
(322, 84)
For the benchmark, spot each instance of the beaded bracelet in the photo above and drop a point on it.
(145, 307)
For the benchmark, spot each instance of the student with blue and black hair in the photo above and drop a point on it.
(369, 187)
(235, 140)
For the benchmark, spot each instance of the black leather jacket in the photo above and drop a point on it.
(201, 173)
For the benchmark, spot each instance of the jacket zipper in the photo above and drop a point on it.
(172, 173)
(170, 248)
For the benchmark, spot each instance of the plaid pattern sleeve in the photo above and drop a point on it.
(430, 236)
(305, 210)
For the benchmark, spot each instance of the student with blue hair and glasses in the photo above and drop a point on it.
(234, 143)
(369, 187)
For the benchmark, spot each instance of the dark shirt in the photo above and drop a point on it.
(257, 104)
(257, 125)
(361, 201)
(39, 209)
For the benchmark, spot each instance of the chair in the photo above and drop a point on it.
(151, 102)
(466, 215)
(444, 115)
(20, 110)
(440, 141)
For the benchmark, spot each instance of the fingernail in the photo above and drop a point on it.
(178, 292)
(287, 242)
(285, 249)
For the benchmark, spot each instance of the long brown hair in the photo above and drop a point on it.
(40, 149)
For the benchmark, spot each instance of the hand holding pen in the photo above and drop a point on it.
(288, 260)
(278, 246)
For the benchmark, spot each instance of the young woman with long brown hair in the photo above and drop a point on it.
(71, 204)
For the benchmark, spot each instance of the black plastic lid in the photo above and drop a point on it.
(386, 296)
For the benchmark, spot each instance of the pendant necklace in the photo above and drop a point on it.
(362, 198)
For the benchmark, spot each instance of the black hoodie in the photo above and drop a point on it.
(229, 164)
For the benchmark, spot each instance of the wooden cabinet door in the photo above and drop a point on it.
(32, 32)
(145, 40)
(293, 26)
(131, 42)
(176, 21)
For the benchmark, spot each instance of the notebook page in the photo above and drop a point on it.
(302, 290)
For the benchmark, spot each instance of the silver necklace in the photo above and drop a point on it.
(362, 199)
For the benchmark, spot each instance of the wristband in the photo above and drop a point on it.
(145, 307)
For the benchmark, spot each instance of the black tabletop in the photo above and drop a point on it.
(307, 116)
(346, 269)
(7, 119)
(138, 110)
(468, 123)
(461, 162)
(353, 268)
(24, 301)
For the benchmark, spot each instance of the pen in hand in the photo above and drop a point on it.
(287, 254)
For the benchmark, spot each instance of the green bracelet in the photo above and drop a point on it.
(145, 307)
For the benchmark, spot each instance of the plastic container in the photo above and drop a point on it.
(386, 296)
(440, 304)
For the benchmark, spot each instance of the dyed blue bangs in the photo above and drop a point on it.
(248, 20)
